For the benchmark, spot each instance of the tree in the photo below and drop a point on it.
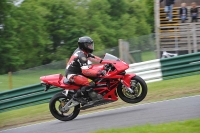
(63, 28)
(39, 32)
(29, 33)
(99, 25)
(140, 12)
(149, 4)
(117, 8)
(8, 53)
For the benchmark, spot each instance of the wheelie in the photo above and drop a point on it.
(90, 85)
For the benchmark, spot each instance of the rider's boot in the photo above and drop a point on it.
(82, 91)
(89, 88)
(78, 97)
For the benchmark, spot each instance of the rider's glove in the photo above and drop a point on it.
(101, 73)
(91, 55)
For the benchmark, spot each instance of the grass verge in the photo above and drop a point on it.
(167, 89)
(31, 76)
(189, 126)
(148, 55)
(25, 78)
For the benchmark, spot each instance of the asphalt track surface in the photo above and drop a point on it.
(149, 113)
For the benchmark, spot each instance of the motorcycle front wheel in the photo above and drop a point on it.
(139, 87)
(57, 102)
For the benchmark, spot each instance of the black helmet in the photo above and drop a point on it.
(86, 44)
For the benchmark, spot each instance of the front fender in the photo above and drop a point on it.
(127, 79)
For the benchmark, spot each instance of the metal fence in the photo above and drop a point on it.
(132, 50)
(31, 76)
(140, 49)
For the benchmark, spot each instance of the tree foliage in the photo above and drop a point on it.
(9, 59)
(40, 31)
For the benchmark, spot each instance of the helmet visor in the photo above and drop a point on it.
(90, 45)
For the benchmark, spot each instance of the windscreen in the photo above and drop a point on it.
(110, 57)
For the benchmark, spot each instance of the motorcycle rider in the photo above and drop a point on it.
(78, 67)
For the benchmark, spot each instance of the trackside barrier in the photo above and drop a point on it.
(20, 92)
(26, 96)
(167, 68)
(180, 65)
(150, 71)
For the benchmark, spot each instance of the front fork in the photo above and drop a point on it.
(126, 82)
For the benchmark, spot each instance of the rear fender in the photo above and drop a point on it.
(58, 81)
(127, 79)
(52, 79)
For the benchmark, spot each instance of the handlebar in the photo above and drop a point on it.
(108, 67)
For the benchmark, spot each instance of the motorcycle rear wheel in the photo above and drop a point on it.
(138, 85)
(58, 101)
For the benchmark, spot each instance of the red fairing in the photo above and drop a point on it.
(111, 95)
(111, 82)
(119, 65)
(127, 79)
(57, 80)
(52, 79)
(97, 67)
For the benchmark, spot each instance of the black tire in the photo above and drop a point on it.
(134, 99)
(57, 113)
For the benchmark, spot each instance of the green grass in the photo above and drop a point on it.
(162, 90)
(21, 116)
(185, 86)
(25, 78)
(148, 55)
(29, 77)
(189, 126)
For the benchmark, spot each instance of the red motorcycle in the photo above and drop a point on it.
(129, 87)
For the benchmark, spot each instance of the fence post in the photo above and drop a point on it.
(176, 39)
(188, 38)
(157, 25)
(10, 80)
(120, 49)
(194, 37)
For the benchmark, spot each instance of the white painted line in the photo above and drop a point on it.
(107, 111)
